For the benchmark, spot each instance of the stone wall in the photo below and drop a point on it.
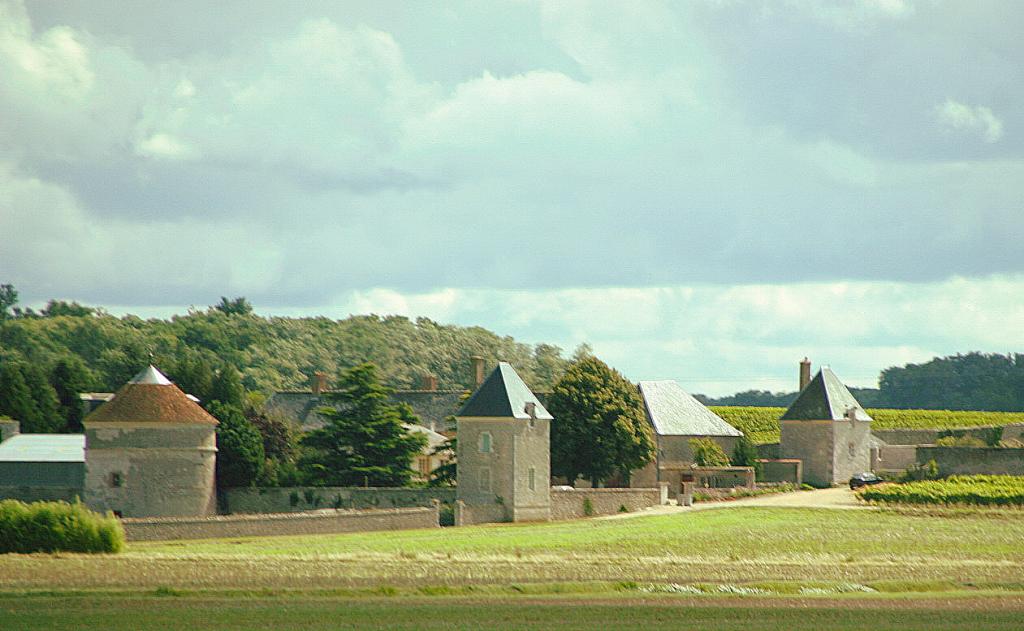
(30, 494)
(929, 436)
(319, 522)
(895, 458)
(852, 451)
(768, 451)
(777, 471)
(566, 504)
(299, 499)
(974, 460)
(467, 515)
(811, 442)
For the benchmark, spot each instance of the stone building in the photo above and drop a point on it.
(150, 452)
(827, 429)
(676, 418)
(504, 452)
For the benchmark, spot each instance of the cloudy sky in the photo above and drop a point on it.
(705, 191)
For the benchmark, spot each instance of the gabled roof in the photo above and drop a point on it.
(43, 448)
(150, 397)
(673, 412)
(503, 395)
(824, 398)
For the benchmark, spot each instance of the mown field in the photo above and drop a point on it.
(762, 424)
(229, 612)
(734, 545)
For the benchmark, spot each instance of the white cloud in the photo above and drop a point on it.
(960, 117)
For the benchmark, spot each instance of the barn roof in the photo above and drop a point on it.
(150, 397)
(825, 398)
(673, 412)
(503, 395)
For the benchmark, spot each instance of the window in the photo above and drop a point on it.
(485, 443)
(485, 480)
(533, 479)
(116, 479)
(424, 462)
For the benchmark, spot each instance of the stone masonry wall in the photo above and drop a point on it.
(319, 522)
(974, 460)
(780, 471)
(299, 499)
(567, 504)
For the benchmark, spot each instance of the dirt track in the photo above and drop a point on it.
(838, 498)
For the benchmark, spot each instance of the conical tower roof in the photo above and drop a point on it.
(503, 395)
(150, 397)
(825, 398)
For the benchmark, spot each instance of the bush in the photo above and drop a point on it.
(588, 507)
(446, 515)
(707, 453)
(57, 526)
(918, 472)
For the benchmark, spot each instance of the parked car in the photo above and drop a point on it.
(864, 479)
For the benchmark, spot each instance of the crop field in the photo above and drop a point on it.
(761, 424)
(984, 490)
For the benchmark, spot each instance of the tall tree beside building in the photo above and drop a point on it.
(364, 441)
(27, 396)
(240, 456)
(599, 429)
(70, 378)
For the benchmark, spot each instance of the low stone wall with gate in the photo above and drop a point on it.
(311, 523)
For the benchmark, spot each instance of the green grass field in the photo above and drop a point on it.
(761, 424)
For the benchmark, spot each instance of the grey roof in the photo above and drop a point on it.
(151, 376)
(673, 412)
(824, 398)
(434, 440)
(431, 406)
(43, 448)
(503, 395)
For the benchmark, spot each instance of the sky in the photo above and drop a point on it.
(705, 191)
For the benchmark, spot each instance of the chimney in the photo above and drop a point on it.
(429, 383)
(318, 383)
(805, 373)
(531, 409)
(478, 369)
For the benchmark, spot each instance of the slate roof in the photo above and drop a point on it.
(824, 398)
(43, 448)
(673, 412)
(431, 406)
(503, 395)
(150, 397)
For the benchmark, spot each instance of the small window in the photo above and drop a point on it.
(533, 479)
(485, 443)
(485, 480)
(116, 479)
(424, 465)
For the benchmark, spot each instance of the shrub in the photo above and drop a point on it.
(57, 526)
(588, 507)
(446, 515)
(926, 471)
(707, 453)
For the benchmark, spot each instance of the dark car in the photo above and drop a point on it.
(864, 479)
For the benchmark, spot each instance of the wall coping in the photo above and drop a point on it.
(324, 513)
(651, 489)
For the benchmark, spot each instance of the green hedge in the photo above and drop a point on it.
(985, 490)
(57, 526)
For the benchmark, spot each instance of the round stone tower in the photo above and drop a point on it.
(150, 452)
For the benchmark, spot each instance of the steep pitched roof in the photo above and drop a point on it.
(150, 397)
(504, 395)
(673, 412)
(825, 398)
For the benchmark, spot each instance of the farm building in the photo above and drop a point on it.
(676, 418)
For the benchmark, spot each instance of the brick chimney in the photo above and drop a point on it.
(429, 383)
(805, 373)
(478, 369)
(318, 383)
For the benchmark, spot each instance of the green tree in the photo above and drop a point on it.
(238, 306)
(446, 474)
(8, 299)
(707, 453)
(70, 378)
(226, 387)
(600, 428)
(15, 396)
(240, 453)
(55, 308)
(744, 454)
(364, 441)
